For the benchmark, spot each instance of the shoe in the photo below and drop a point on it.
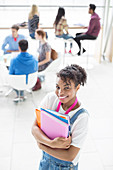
(79, 53)
(84, 50)
(16, 99)
(70, 52)
(37, 85)
(23, 98)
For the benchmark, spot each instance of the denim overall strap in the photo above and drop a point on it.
(74, 117)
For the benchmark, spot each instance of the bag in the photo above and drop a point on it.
(54, 54)
(23, 24)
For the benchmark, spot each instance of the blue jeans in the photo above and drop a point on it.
(32, 35)
(49, 162)
(66, 37)
(21, 92)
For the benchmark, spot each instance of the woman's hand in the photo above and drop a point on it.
(60, 142)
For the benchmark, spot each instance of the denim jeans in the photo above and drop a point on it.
(66, 37)
(49, 162)
(32, 35)
(21, 93)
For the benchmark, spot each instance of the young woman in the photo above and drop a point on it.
(63, 153)
(60, 26)
(33, 21)
(44, 58)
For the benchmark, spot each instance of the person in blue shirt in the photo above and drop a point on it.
(24, 63)
(12, 41)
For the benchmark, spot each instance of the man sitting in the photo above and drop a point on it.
(93, 29)
(12, 41)
(24, 63)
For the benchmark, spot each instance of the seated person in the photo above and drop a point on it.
(60, 25)
(24, 63)
(44, 58)
(93, 29)
(33, 21)
(12, 41)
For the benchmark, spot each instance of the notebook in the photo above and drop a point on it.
(63, 117)
(52, 124)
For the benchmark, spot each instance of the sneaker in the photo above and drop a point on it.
(16, 99)
(23, 98)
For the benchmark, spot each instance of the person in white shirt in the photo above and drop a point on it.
(63, 153)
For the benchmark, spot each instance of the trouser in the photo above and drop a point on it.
(19, 93)
(32, 35)
(81, 36)
(66, 37)
(49, 162)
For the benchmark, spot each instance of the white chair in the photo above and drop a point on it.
(74, 49)
(53, 66)
(64, 48)
(50, 71)
(87, 65)
(22, 82)
(3, 76)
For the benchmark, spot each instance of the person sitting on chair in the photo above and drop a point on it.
(44, 58)
(93, 29)
(24, 63)
(60, 25)
(12, 40)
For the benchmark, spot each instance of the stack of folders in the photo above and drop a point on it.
(52, 123)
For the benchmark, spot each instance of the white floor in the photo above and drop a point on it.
(18, 149)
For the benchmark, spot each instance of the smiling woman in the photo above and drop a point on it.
(64, 100)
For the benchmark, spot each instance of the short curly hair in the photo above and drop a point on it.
(75, 73)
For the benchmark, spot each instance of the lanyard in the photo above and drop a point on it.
(68, 110)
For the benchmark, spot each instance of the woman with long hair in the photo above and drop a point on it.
(33, 21)
(60, 25)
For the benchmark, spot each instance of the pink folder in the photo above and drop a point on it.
(53, 127)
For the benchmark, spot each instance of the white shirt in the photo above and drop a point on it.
(80, 126)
